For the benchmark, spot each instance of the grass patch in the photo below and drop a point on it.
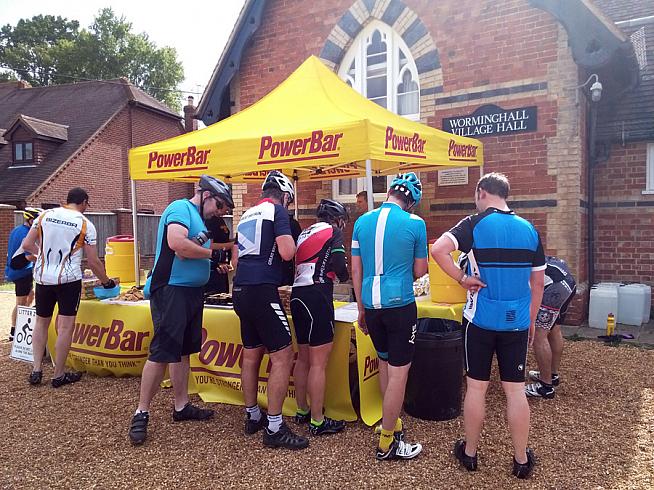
(7, 286)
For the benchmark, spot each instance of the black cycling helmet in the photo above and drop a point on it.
(331, 210)
(217, 188)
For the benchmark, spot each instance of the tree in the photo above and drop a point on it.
(47, 50)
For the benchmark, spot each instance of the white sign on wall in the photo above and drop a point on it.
(453, 176)
(21, 349)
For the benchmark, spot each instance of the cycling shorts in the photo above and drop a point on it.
(393, 333)
(66, 296)
(312, 308)
(23, 286)
(556, 298)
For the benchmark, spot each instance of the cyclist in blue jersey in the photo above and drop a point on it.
(389, 250)
(181, 269)
(264, 242)
(505, 279)
(19, 269)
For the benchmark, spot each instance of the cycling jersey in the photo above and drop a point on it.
(388, 239)
(320, 256)
(15, 239)
(503, 249)
(259, 261)
(63, 232)
(168, 268)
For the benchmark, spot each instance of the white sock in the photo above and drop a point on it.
(138, 411)
(254, 413)
(274, 423)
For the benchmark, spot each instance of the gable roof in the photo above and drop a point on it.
(84, 108)
(619, 10)
(45, 129)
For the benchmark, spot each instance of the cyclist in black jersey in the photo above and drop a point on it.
(320, 258)
(264, 242)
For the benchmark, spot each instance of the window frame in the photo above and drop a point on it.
(23, 145)
(394, 73)
(649, 170)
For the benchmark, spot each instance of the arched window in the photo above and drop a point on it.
(379, 66)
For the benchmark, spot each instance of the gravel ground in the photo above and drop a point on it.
(597, 433)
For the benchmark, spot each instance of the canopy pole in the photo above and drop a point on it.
(296, 193)
(137, 275)
(369, 183)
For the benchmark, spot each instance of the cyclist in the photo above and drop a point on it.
(264, 242)
(319, 260)
(389, 250)
(20, 266)
(60, 237)
(504, 279)
(560, 288)
(181, 269)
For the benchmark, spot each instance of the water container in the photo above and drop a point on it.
(434, 386)
(647, 305)
(603, 300)
(631, 304)
(443, 288)
(119, 257)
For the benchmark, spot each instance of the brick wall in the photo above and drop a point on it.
(483, 47)
(624, 217)
(101, 167)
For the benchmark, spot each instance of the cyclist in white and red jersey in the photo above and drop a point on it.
(320, 258)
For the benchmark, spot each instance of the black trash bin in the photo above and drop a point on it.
(433, 390)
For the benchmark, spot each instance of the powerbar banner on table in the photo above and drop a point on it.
(217, 368)
(368, 362)
(108, 339)
(112, 339)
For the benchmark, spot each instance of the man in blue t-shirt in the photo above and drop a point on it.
(264, 242)
(175, 288)
(389, 250)
(20, 265)
(505, 280)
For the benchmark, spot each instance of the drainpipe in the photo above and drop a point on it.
(592, 161)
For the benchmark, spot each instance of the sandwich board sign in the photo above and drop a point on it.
(21, 349)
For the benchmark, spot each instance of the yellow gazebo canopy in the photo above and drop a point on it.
(312, 126)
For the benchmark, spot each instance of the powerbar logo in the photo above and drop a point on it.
(462, 153)
(317, 146)
(183, 161)
(404, 146)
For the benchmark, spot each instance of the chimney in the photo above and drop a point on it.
(190, 123)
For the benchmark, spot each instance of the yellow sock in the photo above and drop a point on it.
(398, 425)
(385, 439)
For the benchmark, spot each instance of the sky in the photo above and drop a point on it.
(198, 30)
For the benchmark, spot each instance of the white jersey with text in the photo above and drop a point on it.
(63, 232)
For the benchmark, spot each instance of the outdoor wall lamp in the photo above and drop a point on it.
(595, 89)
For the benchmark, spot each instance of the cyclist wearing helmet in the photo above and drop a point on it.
(20, 265)
(320, 258)
(175, 288)
(389, 250)
(264, 241)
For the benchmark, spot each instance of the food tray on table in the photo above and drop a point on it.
(130, 296)
(219, 300)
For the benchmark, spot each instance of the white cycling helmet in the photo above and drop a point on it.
(277, 180)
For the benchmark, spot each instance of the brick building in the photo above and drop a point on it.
(505, 71)
(58, 137)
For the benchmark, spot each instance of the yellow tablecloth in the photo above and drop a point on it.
(113, 339)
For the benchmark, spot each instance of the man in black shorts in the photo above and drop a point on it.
(320, 259)
(389, 251)
(20, 265)
(560, 288)
(504, 279)
(175, 289)
(264, 241)
(60, 237)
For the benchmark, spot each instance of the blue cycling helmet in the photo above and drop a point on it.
(409, 184)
